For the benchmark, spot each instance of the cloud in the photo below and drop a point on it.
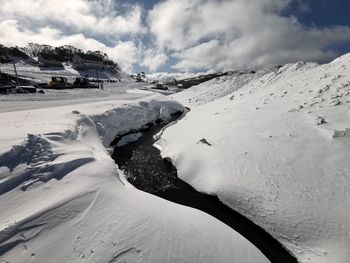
(189, 35)
(11, 33)
(91, 16)
(125, 53)
(227, 34)
(80, 23)
(153, 60)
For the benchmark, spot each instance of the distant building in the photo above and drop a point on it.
(87, 61)
(49, 61)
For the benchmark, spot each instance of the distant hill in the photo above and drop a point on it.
(38, 63)
(14, 53)
(189, 82)
(63, 54)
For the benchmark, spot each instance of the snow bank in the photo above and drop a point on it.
(61, 198)
(36, 149)
(278, 152)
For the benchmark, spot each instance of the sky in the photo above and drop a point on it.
(184, 35)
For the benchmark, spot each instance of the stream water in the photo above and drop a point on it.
(147, 171)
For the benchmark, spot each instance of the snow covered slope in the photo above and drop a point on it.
(220, 86)
(279, 152)
(63, 199)
(37, 74)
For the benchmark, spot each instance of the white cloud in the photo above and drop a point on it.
(227, 34)
(153, 60)
(196, 34)
(91, 16)
(125, 53)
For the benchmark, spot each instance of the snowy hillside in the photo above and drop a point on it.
(26, 60)
(37, 74)
(34, 49)
(220, 86)
(278, 152)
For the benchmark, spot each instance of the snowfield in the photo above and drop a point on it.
(279, 152)
(273, 145)
(63, 199)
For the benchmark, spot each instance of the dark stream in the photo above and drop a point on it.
(147, 171)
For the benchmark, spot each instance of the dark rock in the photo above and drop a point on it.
(320, 121)
(205, 141)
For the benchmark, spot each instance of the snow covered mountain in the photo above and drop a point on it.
(65, 53)
(34, 49)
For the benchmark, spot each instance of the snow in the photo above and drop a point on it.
(165, 77)
(273, 145)
(63, 199)
(220, 87)
(37, 74)
(270, 157)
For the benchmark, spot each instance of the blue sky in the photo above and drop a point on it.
(185, 35)
(323, 12)
(147, 4)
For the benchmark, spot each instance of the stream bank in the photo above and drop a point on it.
(148, 171)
